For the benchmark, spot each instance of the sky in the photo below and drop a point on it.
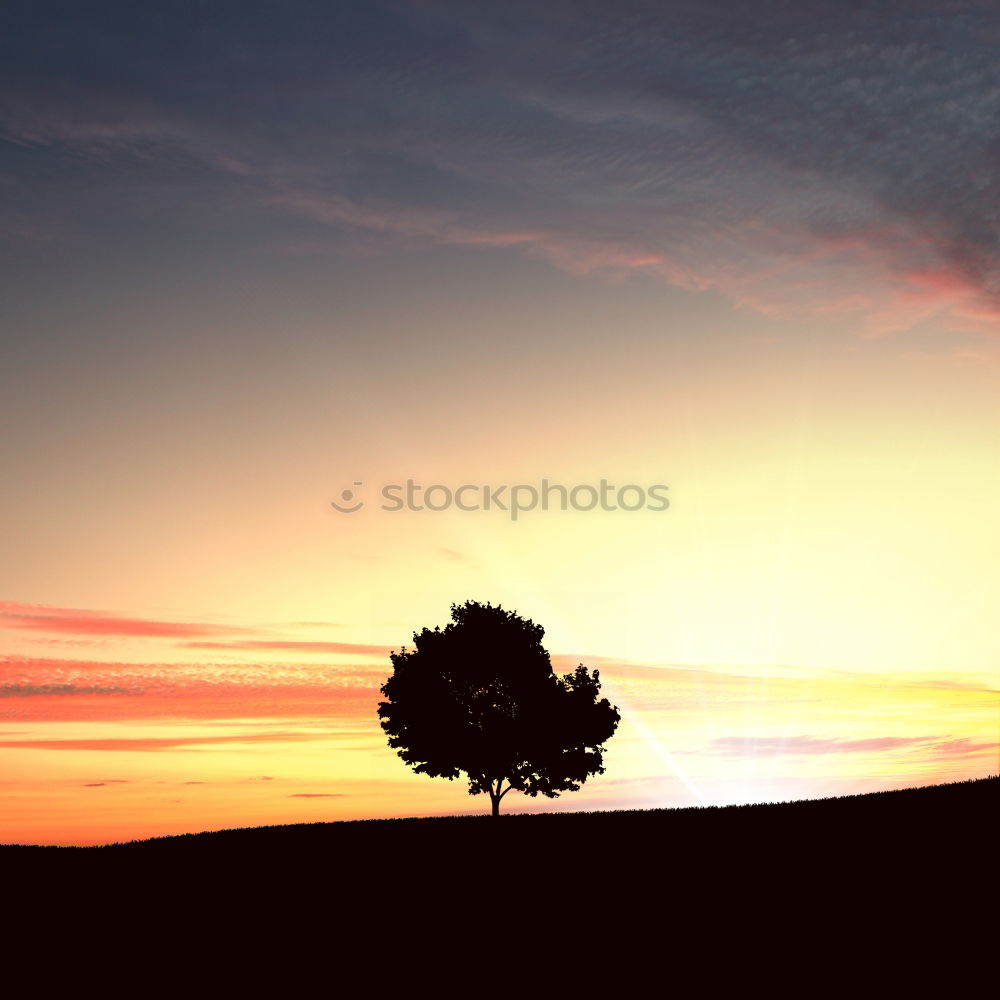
(737, 263)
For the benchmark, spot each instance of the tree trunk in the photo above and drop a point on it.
(496, 804)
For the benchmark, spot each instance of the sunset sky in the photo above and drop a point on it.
(259, 254)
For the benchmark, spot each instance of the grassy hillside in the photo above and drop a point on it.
(714, 892)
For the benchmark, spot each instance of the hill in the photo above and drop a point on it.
(865, 872)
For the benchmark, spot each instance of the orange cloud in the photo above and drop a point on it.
(359, 649)
(154, 743)
(65, 690)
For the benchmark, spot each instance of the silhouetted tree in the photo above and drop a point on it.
(479, 697)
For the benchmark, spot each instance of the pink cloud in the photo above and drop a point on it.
(500, 239)
(937, 282)
(737, 746)
(42, 618)
(890, 277)
(961, 747)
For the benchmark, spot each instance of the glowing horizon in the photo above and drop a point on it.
(102, 750)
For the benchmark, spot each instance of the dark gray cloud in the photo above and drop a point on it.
(48, 690)
(754, 149)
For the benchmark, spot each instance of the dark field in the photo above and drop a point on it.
(854, 878)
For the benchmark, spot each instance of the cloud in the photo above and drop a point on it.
(343, 691)
(50, 690)
(960, 747)
(736, 746)
(158, 743)
(817, 157)
(64, 643)
(291, 646)
(42, 618)
(453, 554)
(314, 625)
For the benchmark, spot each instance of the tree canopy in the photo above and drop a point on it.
(479, 697)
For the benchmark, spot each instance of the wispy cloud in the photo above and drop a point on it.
(157, 743)
(41, 618)
(313, 625)
(819, 158)
(962, 746)
(736, 746)
(61, 690)
(292, 646)
(187, 690)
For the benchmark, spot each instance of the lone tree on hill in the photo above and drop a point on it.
(480, 697)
